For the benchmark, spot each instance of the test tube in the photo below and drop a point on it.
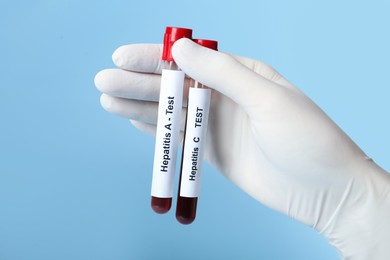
(193, 148)
(168, 123)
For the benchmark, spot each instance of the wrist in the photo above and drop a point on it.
(360, 229)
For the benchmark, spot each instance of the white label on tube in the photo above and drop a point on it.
(167, 135)
(197, 117)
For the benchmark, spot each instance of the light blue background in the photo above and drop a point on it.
(75, 180)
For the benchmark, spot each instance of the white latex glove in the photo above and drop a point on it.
(268, 138)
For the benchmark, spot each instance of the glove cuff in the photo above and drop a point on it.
(360, 226)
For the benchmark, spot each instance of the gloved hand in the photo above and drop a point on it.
(268, 138)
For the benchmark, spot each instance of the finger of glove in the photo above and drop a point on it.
(149, 129)
(143, 111)
(147, 58)
(127, 84)
(139, 57)
(264, 70)
(132, 109)
(132, 85)
(226, 75)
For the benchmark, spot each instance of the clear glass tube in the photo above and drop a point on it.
(193, 148)
(167, 137)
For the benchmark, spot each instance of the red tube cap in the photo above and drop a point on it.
(172, 34)
(207, 43)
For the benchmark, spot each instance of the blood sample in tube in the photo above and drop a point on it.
(194, 138)
(168, 123)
